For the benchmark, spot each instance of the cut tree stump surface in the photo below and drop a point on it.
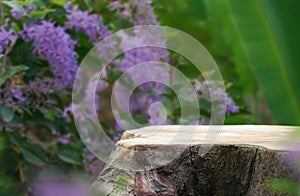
(198, 160)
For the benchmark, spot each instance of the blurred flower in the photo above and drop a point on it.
(140, 12)
(231, 107)
(64, 139)
(67, 110)
(59, 188)
(26, 10)
(117, 137)
(12, 97)
(210, 91)
(16, 14)
(7, 36)
(89, 24)
(37, 92)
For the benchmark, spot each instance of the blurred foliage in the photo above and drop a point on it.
(270, 37)
(254, 43)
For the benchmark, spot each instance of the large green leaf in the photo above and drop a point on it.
(269, 32)
(209, 22)
(226, 42)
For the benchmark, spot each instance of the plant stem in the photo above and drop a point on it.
(21, 171)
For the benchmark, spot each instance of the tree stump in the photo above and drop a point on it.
(240, 160)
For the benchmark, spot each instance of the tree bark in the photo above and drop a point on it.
(241, 161)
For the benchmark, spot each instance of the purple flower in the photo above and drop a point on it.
(66, 111)
(123, 9)
(30, 9)
(18, 94)
(89, 24)
(117, 137)
(216, 95)
(36, 92)
(12, 97)
(140, 12)
(16, 14)
(157, 114)
(231, 106)
(57, 47)
(26, 10)
(7, 36)
(40, 87)
(64, 139)
(33, 95)
(93, 27)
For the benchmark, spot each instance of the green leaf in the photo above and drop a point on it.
(15, 4)
(89, 4)
(270, 38)
(59, 2)
(26, 110)
(41, 12)
(23, 3)
(7, 113)
(71, 157)
(226, 43)
(34, 154)
(37, 3)
(44, 122)
(13, 139)
(141, 119)
(236, 119)
(114, 75)
(11, 71)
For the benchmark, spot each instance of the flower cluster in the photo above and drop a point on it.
(7, 36)
(217, 94)
(12, 96)
(54, 44)
(25, 11)
(90, 24)
(36, 92)
(139, 12)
